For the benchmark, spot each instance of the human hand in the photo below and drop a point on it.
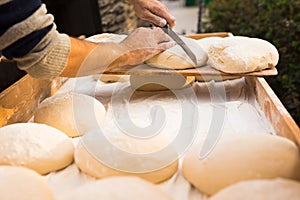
(141, 45)
(153, 11)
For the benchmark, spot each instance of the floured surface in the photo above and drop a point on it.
(240, 115)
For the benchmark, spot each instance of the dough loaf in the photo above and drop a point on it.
(85, 158)
(276, 189)
(238, 157)
(206, 43)
(176, 58)
(20, 183)
(117, 188)
(239, 54)
(160, 82)
(35, 146)
(74, 114)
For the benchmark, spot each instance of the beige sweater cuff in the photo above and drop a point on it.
(48, 59)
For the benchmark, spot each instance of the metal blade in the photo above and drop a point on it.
(179, 41)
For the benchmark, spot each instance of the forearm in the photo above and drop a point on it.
(88, 58)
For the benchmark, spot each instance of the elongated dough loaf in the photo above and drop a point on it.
(176, 58)
(117, 188)
(274, 189)
(239, 157)
(74, 114)
(35, 146)
(239, 54)
(20, 183)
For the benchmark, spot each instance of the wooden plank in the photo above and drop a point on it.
(274, 110)
(18, 102)
(206, 71)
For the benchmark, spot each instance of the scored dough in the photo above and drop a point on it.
(88, 148)
(117, 188)
(277, 189)
(239, 54)
(20, 183)
(35, 146)
(176, 58)
(74, 114)
(238, 157)
(160, 82)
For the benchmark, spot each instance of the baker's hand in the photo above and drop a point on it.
(153, 11)
(141, 45)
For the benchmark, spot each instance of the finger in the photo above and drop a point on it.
(162, 12)
(163, 37)
(166, 45)
(154, 19)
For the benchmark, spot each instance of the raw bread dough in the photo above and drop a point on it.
(87, 160)
(20, 183)
(176, 58)
(238, 157)
(239, 54)
(117, 188)
(35, 146)
(74, 114)
(277, 189)
(111, 78)
(160, 82)
(205, 43)
(106, 37)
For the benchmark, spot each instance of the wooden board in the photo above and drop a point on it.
(206, 71)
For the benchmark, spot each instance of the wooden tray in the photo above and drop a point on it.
(18, 102)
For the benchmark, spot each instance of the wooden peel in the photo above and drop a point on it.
(206, 71)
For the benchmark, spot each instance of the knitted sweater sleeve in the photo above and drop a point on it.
(28, 36)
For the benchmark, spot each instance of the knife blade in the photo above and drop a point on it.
(179, 41)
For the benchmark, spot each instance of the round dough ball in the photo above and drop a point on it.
(238, 157)
(160, 82)
(106, 37)
(20, 183)
(87, 155)
(242, 54)
(176, 58)
(35, 146)
(277, 189)
(74, 114)
(117, 188)
(111, 78)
